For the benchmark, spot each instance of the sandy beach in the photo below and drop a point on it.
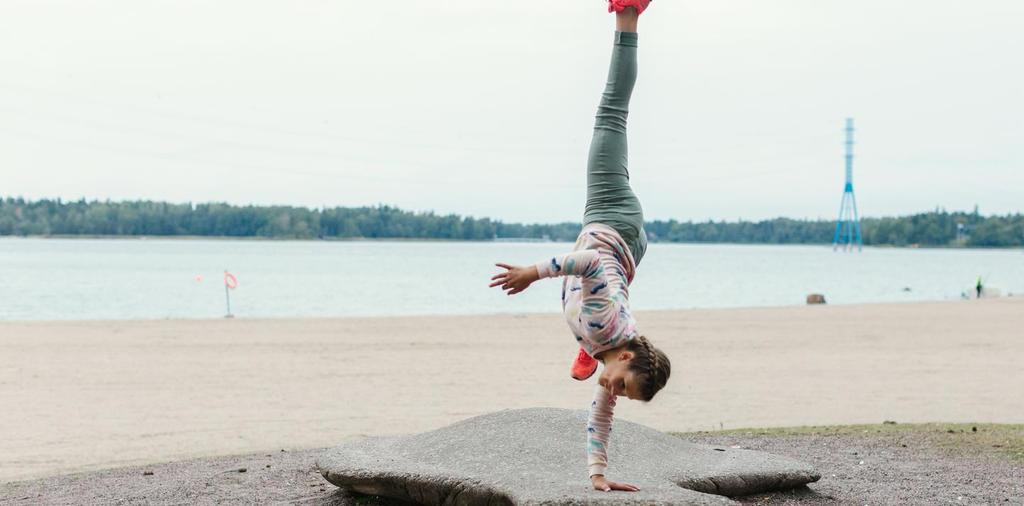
(82, 396)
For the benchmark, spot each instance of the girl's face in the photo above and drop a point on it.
(619, 380)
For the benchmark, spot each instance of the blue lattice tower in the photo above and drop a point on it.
(848, 227)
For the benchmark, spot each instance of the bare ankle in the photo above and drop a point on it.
(626, 20)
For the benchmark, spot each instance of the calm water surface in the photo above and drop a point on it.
(50, 279)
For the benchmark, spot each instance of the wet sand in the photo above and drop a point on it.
(82, 396)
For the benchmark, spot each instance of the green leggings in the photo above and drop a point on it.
(610, 200)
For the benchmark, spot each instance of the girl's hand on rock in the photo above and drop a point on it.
(600, 483)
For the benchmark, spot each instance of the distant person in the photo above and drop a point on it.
(595, 291)
(979, 287)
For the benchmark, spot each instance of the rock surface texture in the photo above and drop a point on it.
(537, 457)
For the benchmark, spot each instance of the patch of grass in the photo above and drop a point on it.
(1007, 440)
(1003, 439)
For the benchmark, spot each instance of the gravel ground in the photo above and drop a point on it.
(877, 464)
(894, 463)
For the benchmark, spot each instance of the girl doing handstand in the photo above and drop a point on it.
(599, 270)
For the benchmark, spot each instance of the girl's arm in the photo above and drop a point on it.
(599, 428)
(584, 263)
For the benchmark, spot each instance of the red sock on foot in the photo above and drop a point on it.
(620, 5)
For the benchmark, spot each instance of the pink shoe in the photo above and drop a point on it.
(620, 5)
(584, 366)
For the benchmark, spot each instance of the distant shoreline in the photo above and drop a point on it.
(243, 238)
(497, 240)
(144, 217)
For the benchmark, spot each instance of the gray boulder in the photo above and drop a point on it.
(537, 457)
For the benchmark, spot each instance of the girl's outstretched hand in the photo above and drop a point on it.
(515, 279)
(600, 483)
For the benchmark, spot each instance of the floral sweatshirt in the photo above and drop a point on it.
(595, 300)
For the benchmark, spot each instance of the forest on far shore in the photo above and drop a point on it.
(21, 217)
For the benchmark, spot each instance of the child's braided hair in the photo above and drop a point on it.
(651, 366)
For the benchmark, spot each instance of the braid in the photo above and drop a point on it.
(652, 357)
(651, 363)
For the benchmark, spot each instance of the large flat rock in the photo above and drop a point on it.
(536, 456)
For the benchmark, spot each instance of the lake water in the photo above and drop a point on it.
(51, 279)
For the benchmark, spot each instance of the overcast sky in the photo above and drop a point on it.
(485, 108)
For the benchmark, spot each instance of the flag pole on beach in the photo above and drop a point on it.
(230, 283)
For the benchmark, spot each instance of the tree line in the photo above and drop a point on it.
(21, 217)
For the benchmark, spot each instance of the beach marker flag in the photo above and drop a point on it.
(230, 283)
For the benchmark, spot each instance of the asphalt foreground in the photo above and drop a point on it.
(866, 464)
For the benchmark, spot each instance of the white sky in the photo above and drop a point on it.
(484, 108)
